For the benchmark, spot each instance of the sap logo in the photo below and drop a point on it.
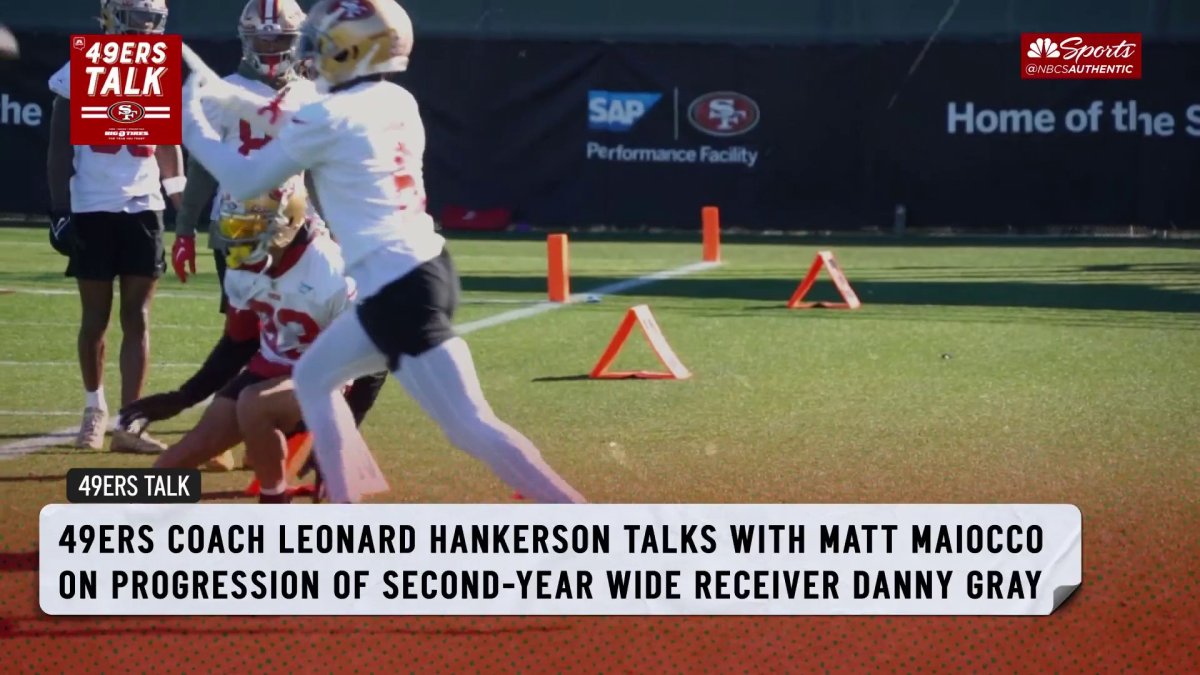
(618, 110)
(15, 113)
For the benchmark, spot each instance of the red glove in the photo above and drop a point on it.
(184, 251)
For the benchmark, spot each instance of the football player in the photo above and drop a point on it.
(258, 112)
(106, 217)
(363, 145)
(285, 283)
(269, 31)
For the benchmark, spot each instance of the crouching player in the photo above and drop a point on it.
(285, 283)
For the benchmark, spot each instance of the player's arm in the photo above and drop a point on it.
(233, 351)
(245, 176)
(60, 166)
(197, 195)
(170, 168)
(61, 156)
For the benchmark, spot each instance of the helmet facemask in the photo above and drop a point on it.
(270, 51)
(133, 17)
(252, 228)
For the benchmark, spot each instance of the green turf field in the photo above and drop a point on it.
(966, 363)
(997, 372)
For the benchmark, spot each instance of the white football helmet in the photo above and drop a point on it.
(348, 39)
(270, 30)
(125, 17)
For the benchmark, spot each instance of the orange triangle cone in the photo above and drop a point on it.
(299, 447)
(640, 316)
(825, 259)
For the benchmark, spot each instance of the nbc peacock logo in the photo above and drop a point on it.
(1043, 48)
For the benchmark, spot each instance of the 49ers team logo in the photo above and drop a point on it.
(126, 90)
(352, 9)
(126, 112)
(724, 114)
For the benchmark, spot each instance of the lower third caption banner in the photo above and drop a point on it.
(525, 559)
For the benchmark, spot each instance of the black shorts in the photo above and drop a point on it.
(413, 314)
(115, 245)
(219, 256)
(239, 383)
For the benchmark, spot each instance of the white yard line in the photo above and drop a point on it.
(31, 445)
(73, 292)
(27, 446)
(58, 364)
(608, 289)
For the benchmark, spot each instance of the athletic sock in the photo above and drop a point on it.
(95, 399)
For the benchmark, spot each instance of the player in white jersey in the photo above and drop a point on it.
(285, 283)
(363, 145)
(269, 31)
(106, 216)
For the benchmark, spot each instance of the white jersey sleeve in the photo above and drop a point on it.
(309, 136)
(60, 82)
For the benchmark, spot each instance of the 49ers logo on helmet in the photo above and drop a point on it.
(724, 113)
(126, 112)
(352, 9)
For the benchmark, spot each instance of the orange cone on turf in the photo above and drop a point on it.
(640, 316)
(710, 218)
(825, 259)
(558, 268)
(299, 447)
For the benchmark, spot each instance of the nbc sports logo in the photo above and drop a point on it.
(1043, 48)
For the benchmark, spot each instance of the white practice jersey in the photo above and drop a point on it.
(236, 131)
(364, 148)
(111, 178)
(252, 114)
(293, 308)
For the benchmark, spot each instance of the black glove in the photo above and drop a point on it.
(156, 407)
(62, 233)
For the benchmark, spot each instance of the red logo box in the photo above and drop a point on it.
(126, 89)
(1081, 56)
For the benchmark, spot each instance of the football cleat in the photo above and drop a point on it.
(91, 430)
(135, 441)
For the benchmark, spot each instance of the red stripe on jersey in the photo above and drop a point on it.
(241, 324)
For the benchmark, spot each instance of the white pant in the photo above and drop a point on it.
(443, 381)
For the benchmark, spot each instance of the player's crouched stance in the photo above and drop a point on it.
(285, 284)
(363, 145)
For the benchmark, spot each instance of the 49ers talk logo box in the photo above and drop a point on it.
(126, 89)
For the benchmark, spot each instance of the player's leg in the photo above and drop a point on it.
(341, 353)
(410, 320)
(95, 299)
(215, 434)
(265, 411)
(137, 295)
(142, 262)
(443, 380)
(93, 265)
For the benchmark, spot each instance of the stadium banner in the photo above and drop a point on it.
(664, 559)
(785, 137)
